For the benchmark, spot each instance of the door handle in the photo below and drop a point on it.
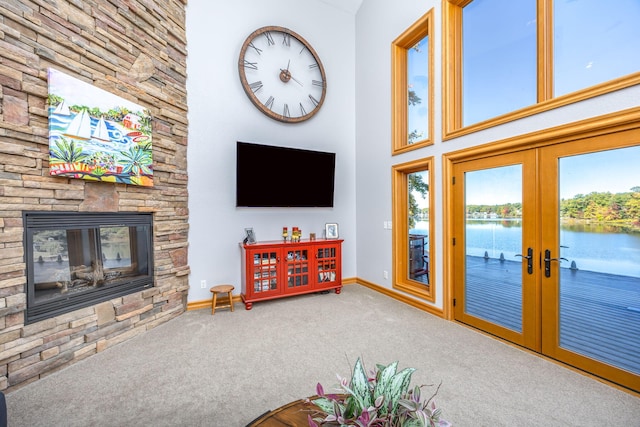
(547, 262)
(529, 258)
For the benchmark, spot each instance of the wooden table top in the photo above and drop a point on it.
(294, 414)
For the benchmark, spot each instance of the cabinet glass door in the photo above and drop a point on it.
(327, 265)
(265, 272)
(297, 270)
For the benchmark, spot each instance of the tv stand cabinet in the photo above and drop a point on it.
(272, 270)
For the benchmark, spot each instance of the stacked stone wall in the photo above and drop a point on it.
(135, 49)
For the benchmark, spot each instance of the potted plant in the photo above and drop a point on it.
(382, 399)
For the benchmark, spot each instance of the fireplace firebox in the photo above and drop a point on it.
(75, 260)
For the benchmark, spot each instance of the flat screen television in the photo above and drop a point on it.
(270, 176)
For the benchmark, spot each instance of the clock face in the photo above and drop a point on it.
(282, 74)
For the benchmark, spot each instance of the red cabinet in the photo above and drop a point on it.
(279, 269)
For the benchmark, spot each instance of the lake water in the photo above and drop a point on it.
(591, 247)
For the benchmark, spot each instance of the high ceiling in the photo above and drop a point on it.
(350, 6)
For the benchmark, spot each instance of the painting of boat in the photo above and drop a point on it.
(62, 109)
(101, 132)
(96, 135)
(80, 126)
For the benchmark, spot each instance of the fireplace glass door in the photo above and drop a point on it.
(76, 260)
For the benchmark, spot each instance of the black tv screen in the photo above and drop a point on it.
(270, 176)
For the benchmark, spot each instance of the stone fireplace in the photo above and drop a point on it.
(76, 260)
(71, 287)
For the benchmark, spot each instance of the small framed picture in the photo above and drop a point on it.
(331, 231)
(251, 237)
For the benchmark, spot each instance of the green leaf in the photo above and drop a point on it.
(360, 386)
(411, 405)
(386, 375)
(65, 151)
(413, 423)
(398, 387)
(325, 405)
(351, 407)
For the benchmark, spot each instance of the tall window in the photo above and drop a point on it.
(412, 87)
(413, 231)
(504, 60)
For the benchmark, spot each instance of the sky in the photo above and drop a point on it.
(78, 92)
(418, 78)
(592, 44)
(615, 171)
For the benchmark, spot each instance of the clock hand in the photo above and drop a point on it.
(297, 81)
(285, 76)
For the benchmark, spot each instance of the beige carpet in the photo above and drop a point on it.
(225, 370)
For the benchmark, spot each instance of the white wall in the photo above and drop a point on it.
(220, 114)
(355, 122)
(378, 23)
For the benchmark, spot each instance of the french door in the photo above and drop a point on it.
(547, 252)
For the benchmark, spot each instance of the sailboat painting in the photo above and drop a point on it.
(97, 135)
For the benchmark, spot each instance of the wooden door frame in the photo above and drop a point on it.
(598, 133)
(551, 286)
(624, 124)
(529, 335)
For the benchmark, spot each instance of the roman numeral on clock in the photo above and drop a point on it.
(256, 86)
(269, 103)
(252, 65)
(286, 39)
(258, 50)
(314, 101)
(269, 37)
(303, 112)
(286, 113)
(318, 83)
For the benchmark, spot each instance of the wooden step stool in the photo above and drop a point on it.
(221, 289)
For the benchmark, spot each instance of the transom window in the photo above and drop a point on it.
(499, 58)
(594, 42)
(505, 59)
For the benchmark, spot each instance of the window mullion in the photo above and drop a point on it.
(452, 67)
(545, 49)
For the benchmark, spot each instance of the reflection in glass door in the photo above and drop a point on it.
(592, 261)
(493, 273)
(495, 246)
(418, 221)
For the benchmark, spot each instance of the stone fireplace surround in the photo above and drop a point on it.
(31, 350)
(136, 50)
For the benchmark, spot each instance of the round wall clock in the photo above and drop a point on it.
(282, 74)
